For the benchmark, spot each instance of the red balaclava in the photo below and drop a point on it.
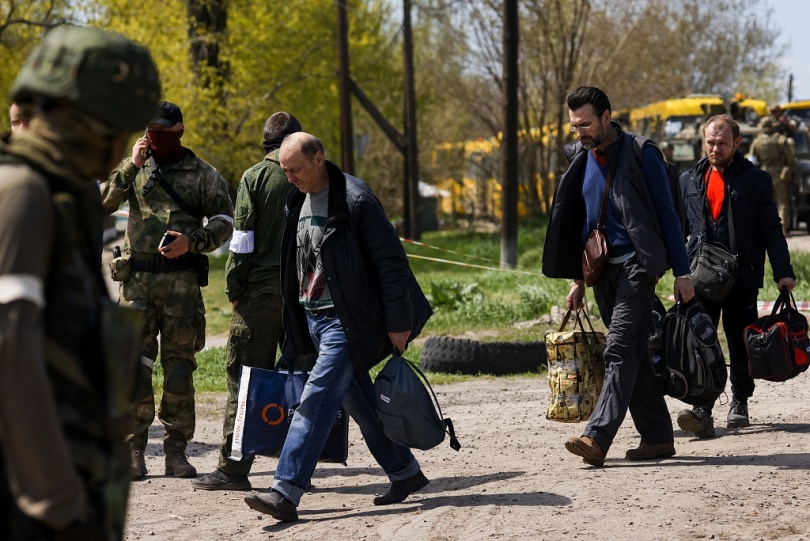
(165, 145)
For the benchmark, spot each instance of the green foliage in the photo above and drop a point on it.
(452, 296)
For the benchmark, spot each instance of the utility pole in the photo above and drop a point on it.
(509, 145)
(411, 192)
(346, 129)
(790, 88)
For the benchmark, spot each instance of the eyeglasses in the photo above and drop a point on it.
(583, 127)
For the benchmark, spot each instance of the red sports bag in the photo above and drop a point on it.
(778, 346)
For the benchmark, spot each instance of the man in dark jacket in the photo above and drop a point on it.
(757, 228)
(644, 240)
(351, 300)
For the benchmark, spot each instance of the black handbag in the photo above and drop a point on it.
(713, 270)
(777, 344)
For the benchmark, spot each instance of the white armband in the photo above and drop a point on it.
(242, 242)
(22, 287)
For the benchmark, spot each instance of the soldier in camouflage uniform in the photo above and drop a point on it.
(169, 190)
(68, 355)
(252, 276)
(775, 153)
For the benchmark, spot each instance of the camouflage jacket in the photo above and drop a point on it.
(53, 361)
(198, 185)
(774, 153)
(255, 249)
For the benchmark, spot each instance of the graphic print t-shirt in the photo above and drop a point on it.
(313, 293)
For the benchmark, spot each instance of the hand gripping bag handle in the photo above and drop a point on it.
(579, 322)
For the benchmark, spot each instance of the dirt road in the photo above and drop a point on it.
(513, 480)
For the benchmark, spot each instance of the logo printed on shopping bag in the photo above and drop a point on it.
(273, 406)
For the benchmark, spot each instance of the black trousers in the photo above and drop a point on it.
(738, 309)
(624, 295)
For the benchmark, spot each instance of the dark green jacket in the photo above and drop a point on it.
(255, 251)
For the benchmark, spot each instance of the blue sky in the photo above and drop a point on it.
(793, 17)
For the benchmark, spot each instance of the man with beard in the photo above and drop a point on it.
(644, 240)
(726, 186)
(169, 190)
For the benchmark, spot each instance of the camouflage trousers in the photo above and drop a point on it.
(174, 310)
(255, 334)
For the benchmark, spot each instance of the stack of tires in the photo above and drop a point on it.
(463, 356)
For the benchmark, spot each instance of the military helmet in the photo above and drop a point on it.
(100, 72)
(767, 125)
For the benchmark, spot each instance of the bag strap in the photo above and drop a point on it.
(578, 322)
(603, 210)
(784, 301)
(448, 424)
(196, 212)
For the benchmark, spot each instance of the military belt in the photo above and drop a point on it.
(184, 262)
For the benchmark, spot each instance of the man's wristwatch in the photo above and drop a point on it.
(684, 276)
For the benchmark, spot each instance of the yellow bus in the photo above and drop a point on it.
(678, 122)
(469, 171)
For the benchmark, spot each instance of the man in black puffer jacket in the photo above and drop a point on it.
(757, 228)
(350, 299)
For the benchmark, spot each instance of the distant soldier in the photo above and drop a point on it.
(775, 153)
(782, 123)
(68, 355)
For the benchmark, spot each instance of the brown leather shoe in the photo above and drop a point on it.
(651, 451)
(138, 465)
(177, 465)
(587, 448)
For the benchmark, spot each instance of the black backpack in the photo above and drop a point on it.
(691, 366)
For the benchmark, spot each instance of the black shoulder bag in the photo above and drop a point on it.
(714, 267)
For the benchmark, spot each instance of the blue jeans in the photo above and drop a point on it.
(332, 382)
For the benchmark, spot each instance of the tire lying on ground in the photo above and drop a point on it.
(463, 356)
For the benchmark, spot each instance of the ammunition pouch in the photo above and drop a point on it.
(201, 267)
(120, 268)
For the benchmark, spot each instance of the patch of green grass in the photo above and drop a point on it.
(485, 302)
(218, 309)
